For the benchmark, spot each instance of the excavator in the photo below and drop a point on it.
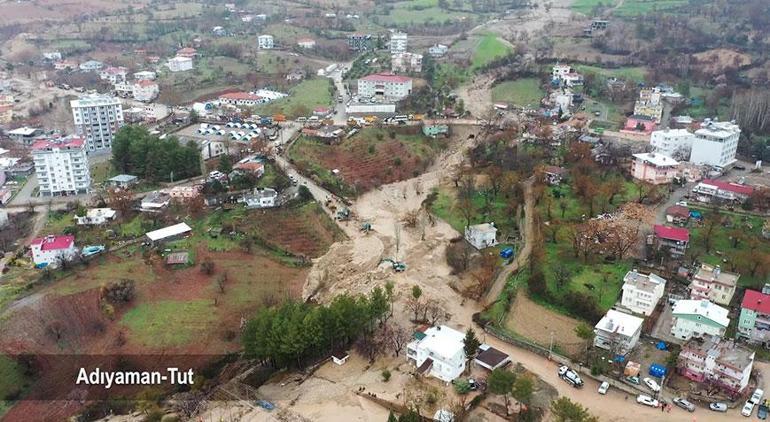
(398, 266)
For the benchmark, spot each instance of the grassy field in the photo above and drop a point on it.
(521, 92)
(302, 99)
(12, 381)
(628, 8)
(488, 49)
(632, 73)
(445, 207)
(169, 323)
(419, 12)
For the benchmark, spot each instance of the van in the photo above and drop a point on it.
(313, 119)
(301, 119)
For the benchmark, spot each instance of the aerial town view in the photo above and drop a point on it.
(384, 210)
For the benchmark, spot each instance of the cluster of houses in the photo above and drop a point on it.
(699, 323)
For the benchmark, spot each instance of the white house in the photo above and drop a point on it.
(438, 50)
(145, 75)
(51, 250)
(675, 143)
(385, 86)
(96, 216)
(91, 65)
(261, 198)
(618, 331)
(715, 143)
(307, 43)
(438, 352)
(179, 64)
(641, 293)
(265, 42)
(566, 75)
(481, 235)
(698, 318)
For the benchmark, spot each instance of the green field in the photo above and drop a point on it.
(169, 323)
(636, 74)
(489, 49)
(521, 92)
(420, 12)
(302, 99)
(628, 7)
(445, 208)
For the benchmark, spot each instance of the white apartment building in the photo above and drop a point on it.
(713, 284)
(715, 143)
(179, 64)
(265, 42)
(406, 62)
(675, 143)
(97, 118)
(618, 331)
(654, 168)
(385, 86)
(145, 90)
(641, 293)
(718, 363)
(698, 318)
(439, 352)
(398, 42)
(61, 166)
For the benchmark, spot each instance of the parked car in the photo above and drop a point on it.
(652, 384)
(647, 401)
(739, 167)
(603, 387)
(681, 203)
(684, 404)
(718, 407)
(757, 396)
(570, 376)
(633, 380)
(748, 409)
(762, 412)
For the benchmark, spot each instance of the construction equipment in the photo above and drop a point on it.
(398, 266)
(343, 214)
(366, 227)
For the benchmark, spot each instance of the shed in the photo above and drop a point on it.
(340, 357)
(123, 180)
(168, 233)
(632, 369)
(491, 358)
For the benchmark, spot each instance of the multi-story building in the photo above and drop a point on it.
(114, 74)
(673, 240)
(754, 322)
(145, 75)
(91, 65)
(711, 283)
(438, 50)
(439, 352)
(61, 166)
(65, 65)
(715, 143)
(406, 62)
(358, 42)
(145, 90)
(25, 135)
(675, 143)
(97, 118)
(52, 250)
(566, 75)
(654, 168)
(641, 293)
(649, 104)
(188, 52)
(6, 114)
(717, 362)
(306, 43)
(385, 86)
(618, 332)
(698, 318)
(398, 42)
(179, 64)
(265, 42)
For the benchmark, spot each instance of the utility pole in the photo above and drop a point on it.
(550, 347)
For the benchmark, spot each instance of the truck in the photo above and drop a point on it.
(279, 118)
(370, 119)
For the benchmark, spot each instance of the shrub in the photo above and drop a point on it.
(385, 375)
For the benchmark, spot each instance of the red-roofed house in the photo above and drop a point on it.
(639, 124)
(241, 99)
(387, 86)
(672, 239)
(677, 214)
(52, 250)
(187, 52)
(727, 191)
(754, 323)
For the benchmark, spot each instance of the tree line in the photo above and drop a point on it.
(135, 151)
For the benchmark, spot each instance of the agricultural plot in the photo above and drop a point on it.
(634, 73)
(489, 48)
(302, 99)
(522, 92)
(369, 159)
(626, 7)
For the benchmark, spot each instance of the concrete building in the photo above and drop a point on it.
(359, 42)
(24, 135)
(66, 65)
(187, 52)
(654, 168)
(145, 90)
(265, 42)
(6, 114)
(52, 250)
(481, 236)
(261, 198)
(385, 86)
(698, 318)
(675, 143)
(641, 293)
(398, 42)
(566, 75)
(715, 144)
(113, 74)
(61, 166)
(306, 43)
(155, 201)
(713, 284)
(241, 99)
(406, 63)
(618, 331)
(97, 118)
(145, 75)
(438, 352)
(96, 216)
(717, 363)
(91, 66)
(179, 64)
(649, 104)
(709, 190)
(122, 181)
(754, 322)
(438, 50)
(673, 240)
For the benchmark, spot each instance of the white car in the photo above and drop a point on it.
(652, 384)
(748, 408)
(682, 203)
(756, 397)
(718, 407)
(603, 387)
(647, 401)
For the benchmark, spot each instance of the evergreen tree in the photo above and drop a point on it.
(471, 344)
